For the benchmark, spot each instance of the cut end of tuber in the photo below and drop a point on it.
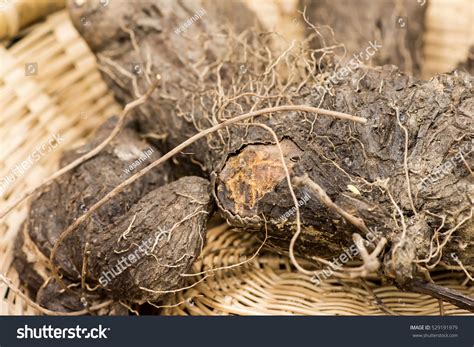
(252, 173)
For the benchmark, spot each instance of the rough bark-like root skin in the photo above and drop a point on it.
(57, 206)
(437, 115)
(167, 235)
(53, 297)
(134, 248)
(396, 25)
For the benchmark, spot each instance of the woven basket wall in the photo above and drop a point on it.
(16, 15)
(66, 95)
(449, 34)
(61, 93)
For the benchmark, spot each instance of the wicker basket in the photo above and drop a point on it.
(267, 284)
(449, 35)
(49, 84)
(64, 94)
(16, 15)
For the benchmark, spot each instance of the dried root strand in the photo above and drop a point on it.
(118, 127)
(177, 150)
(45, 311)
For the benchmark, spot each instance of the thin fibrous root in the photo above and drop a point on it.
(118, 127)
(177, 150)
(45, 311)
